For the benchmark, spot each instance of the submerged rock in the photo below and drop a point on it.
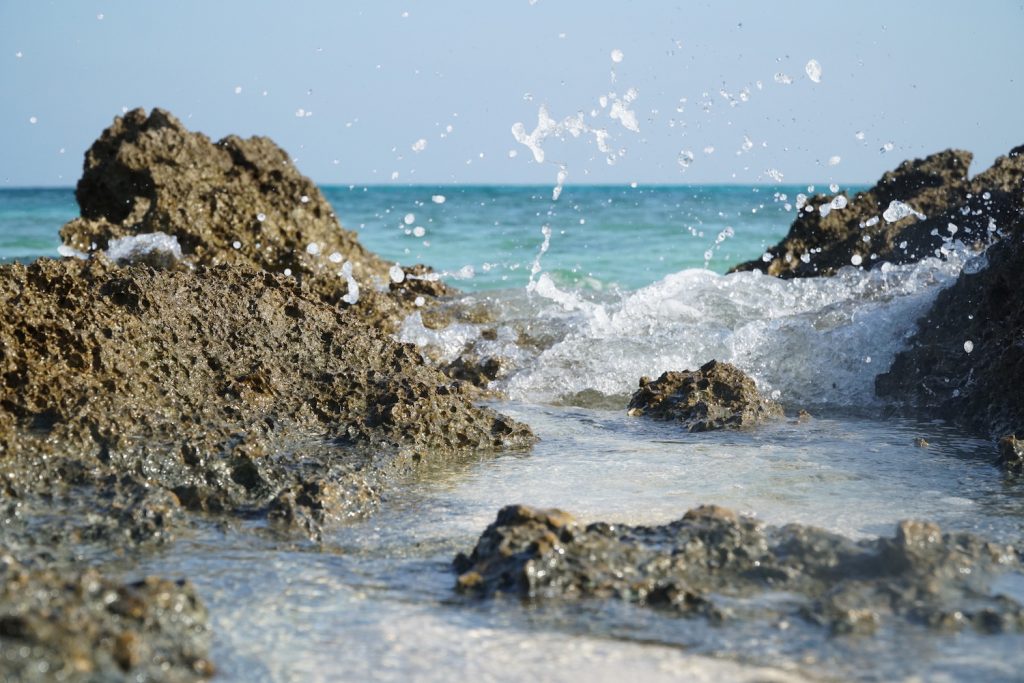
(237, 202)
(231, 389)
(911, 213)
(78, 625)
(717, 396)
(715, 563)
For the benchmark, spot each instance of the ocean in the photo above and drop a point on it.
(486, 237)
(615, 283)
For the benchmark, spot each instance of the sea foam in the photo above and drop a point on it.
(808, 342)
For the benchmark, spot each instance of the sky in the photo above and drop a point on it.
(418, 92)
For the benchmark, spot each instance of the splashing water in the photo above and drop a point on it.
(898, 210)
(813, 71)
(807, 339)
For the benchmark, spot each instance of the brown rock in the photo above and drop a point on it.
(227, 386)
(937, 187)
(148, 174)
(717, 396)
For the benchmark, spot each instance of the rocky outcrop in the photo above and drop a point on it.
(717, 396)
(230, 388)
(911, 213)
(78, 625)
(235, 202)
(716, 564)
(965, 362)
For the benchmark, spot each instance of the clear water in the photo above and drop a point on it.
(620, 295)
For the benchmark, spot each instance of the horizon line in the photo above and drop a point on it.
(545, 186)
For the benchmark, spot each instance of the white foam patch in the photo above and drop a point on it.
(806, 338)
(125, 250)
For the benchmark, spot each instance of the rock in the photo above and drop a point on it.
(717, 396)
(226, 388)
(79, 625)
(476, 371)
(236, 202)
(717, 564)
(1011, 454)
(965, 362)
(870, 230)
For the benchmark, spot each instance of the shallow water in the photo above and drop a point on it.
(378, 604)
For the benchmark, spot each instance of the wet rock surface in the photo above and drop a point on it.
(913, 212)
(237, 202)
(965, 362)
(717, 396)
(78, 625)
(716, 564)
(234, 390)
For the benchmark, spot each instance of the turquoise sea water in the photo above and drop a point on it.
(602, 236)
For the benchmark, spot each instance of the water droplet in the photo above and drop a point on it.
(968, 346)
(813, 70)
(261, 217)
(419, 145)
(313, 248)
(419, 231)
(236, 244)
(856, 259)
(409, 219)
(617, 55)
(438, 199)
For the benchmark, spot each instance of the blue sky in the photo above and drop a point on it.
(350, 88)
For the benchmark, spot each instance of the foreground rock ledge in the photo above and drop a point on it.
(238, 202)
(61, 625)
(712, 560)
(868, 229)
(717, 396)
(232, 389)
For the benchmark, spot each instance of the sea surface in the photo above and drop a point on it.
(612, 283)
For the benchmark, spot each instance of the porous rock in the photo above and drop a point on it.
(822, 239)
(80, 625)
(717, 396)
(237, 201)
(228, 387)
(712, 560)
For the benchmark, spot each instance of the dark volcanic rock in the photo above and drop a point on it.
(234, 389)
(712, 560)
(82, 626)
(820, 243)
(717, 396)
(238, 202)
(966, 361)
